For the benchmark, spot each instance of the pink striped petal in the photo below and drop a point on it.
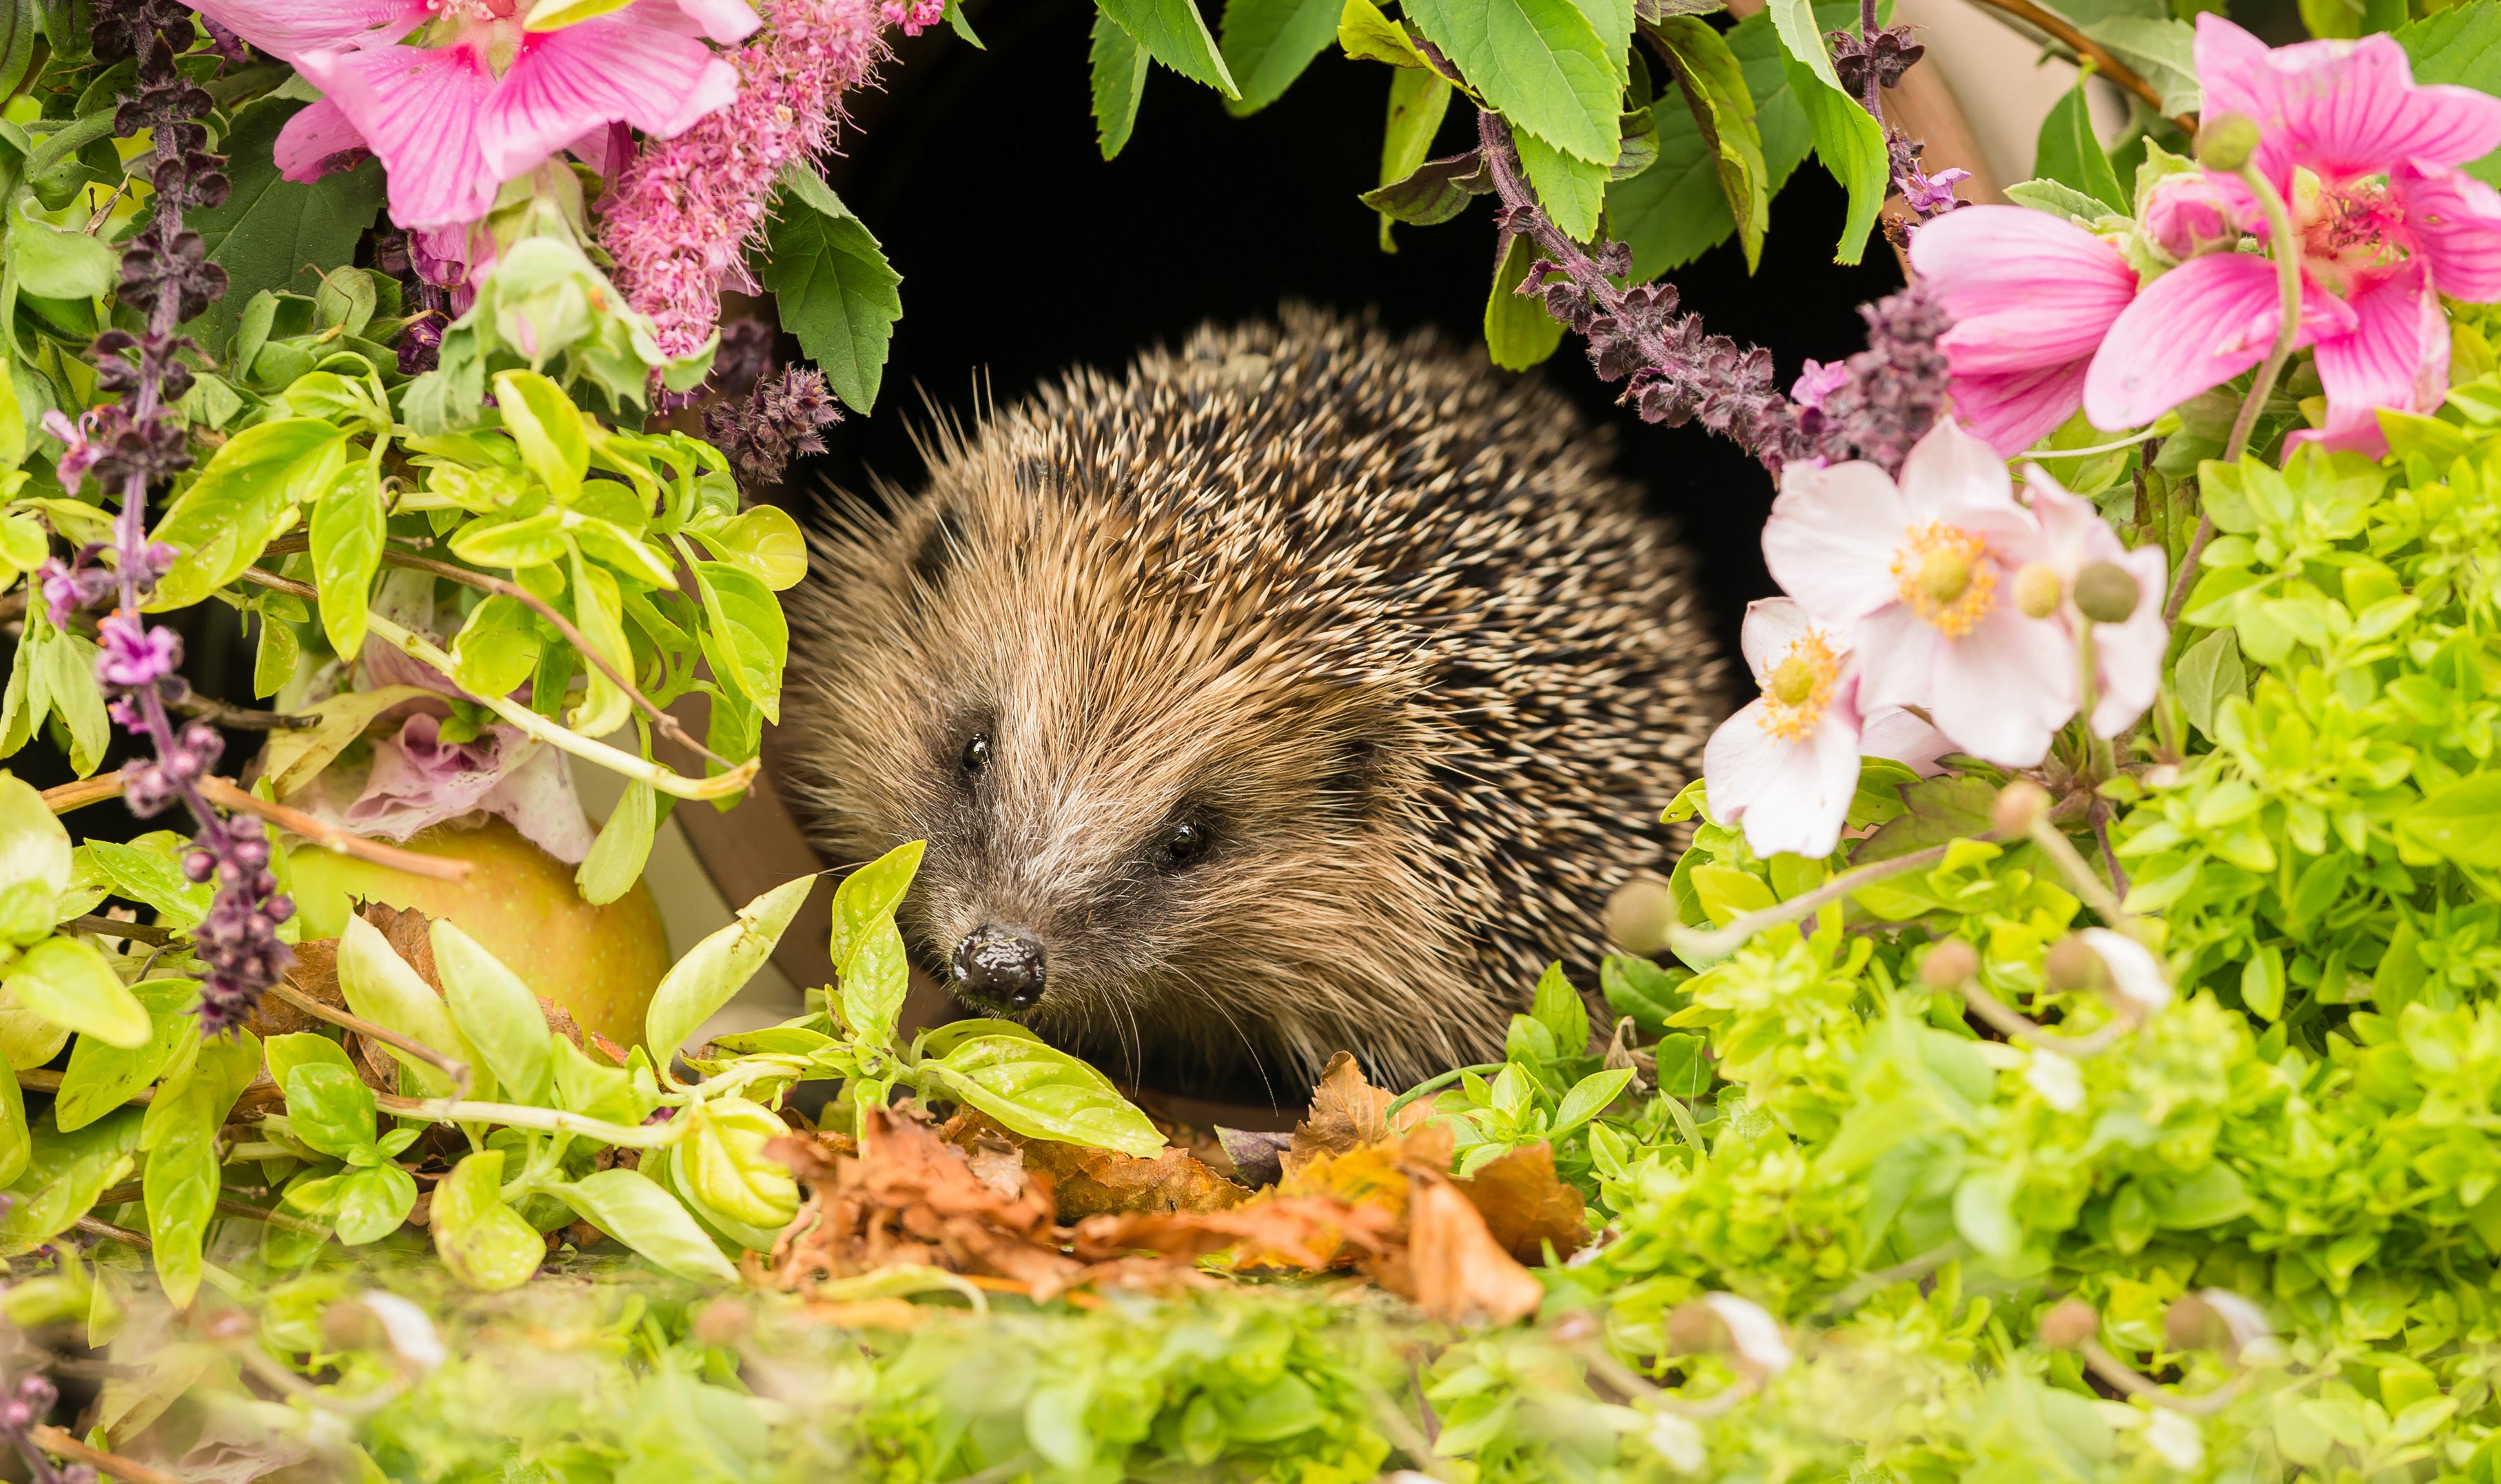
(2025, 289)
(2011, 410)
(418, 110)
(2455, 223)
(2197, 327)
(2342, 108)
(2396, 355)
(287, 29)
(314, 134)
(619, 66)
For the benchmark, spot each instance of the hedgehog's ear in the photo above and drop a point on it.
(934, 559)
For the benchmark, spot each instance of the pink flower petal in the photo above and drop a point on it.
(2455, 222)
(1951, 476)
(1896, 734)
(1831, 538)
(1772, 626)
(314, 134)
(2024, 288)
(535, 794)
(2342, 108)
(2387, 360)
(2011, 410)
(567, 82)
(418, 110)
(287, 29)
(1895, 652)
(724, 20)
(1790, 795)
(2006, 687)
(2197, 327)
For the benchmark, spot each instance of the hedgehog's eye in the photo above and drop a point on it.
(977, 754)
(1184, 844)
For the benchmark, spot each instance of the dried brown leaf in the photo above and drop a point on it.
(1097, 1182)
(1346, 1112)
(1526, 1205)
(1455, 1268)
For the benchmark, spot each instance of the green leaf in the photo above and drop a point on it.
(745, 614)
(272, 234)
(1434, 192)
(1643, 990)
(34, 846)
(763, 539)
(532, 541)
(2210, 672)
(627, 1206)
(1558, 1008)
(2071, 153)
(1984, 1213)
(1723, 109)
(598, 611)
(718, 966)
(181, 1177)
(1519, 332)
(497, 648)
(381, 987)
(2162, 52)
(1586, 1097)
(871, 895)
(330, 1108)
(1042, 1092)
(722, 1164)
(1849, 142)
(874, 982)
(150, 876)
(1540, 63)
(1572, 190)
(67, 982)
(302, 1048)
(101, 1076)
(2461, 44)
(1268, 42)
(834, 288)
(1173, 33)
(1119, 85)
(54, 264)
(368, 1203)
(1938, 810)
(63, 1175)
(616, 857)
(1418, 100)
(548, 430)
(245, 496)
(19, 29)
(494, 1010)
(485, 1242)
(2461, 821)
(347, 531)
(1366, 34)
(963, 28)
(2210, 1197)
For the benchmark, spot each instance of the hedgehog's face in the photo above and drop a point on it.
(1151, 836)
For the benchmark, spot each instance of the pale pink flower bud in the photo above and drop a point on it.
(2184, 215)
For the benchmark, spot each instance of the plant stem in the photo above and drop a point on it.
(646, 1136)
(61, 1441)
(719, 786)
(1436, 1084)
(2188, 560)
(2088, 885)
(2099, 56)
(456, 1070)
(2285, 249)
(219, 791)
(1718, 943)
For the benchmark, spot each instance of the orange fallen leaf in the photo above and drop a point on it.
(1526, 1205)
(1458, 1271)
(1092, 1182)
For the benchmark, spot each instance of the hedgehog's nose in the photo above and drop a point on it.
(999, 967)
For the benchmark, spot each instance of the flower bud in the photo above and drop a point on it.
(2137, 981)
(1638, 916)
(2106, 592)
(1723, 1324)
(2038, 590)
(2073, 966)
(1948, 964)
(2228, 141)
(724, 1164)
(2184, 215)
(2216, 1319)
(2021, 804)
(2068, 1325)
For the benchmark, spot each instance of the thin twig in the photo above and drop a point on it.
(1720, 942)
(646, 1136)
(84, 792)
(110, 1232)
(218, 713)
(2188, 560)
(112, 926)
(456, 1070)
(2095, 891)
(667, 724)
(2099, 56)
(2126, 1379)
(227, 796)
(37, 1079)
(60, 1441)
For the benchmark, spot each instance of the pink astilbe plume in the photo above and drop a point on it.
(684, 210)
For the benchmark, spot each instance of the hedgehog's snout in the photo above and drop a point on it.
(999, 967)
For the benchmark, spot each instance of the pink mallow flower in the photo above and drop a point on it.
(458, 96)
(1786, 765)
(2363, 158)
(2031, 295)
(1920, 578)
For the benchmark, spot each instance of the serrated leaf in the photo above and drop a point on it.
(1540, 63)
(1173, 33)
(1268, 42)
(1119, 85)
(834, 287)
(1849, 142)
(1722, 108)
(244, 497)
(271, 233)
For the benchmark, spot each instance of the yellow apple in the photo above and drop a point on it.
(601, 963)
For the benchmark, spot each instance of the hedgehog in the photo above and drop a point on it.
(1308, 689)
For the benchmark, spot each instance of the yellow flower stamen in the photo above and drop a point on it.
(1798, 690)
(1943, 574)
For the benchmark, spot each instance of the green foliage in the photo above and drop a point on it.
(2070, 153)
(272, 235)
(833, 286)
